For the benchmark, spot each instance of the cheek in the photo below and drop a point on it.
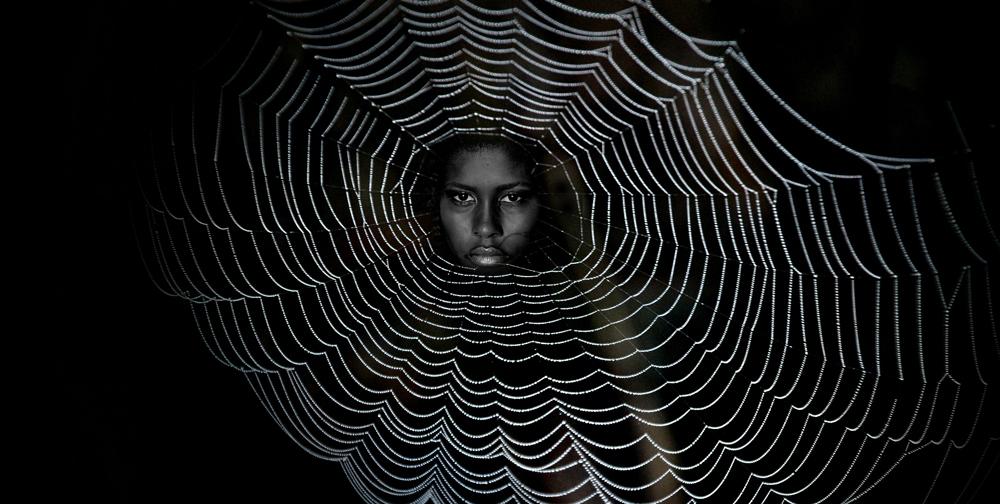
(518, 228)
(522, 221)
(454, 223)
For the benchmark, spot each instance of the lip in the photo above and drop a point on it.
(487, 256)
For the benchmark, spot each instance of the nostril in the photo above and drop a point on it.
(486, 230)
(486, 225)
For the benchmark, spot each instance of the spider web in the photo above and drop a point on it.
(726, 305)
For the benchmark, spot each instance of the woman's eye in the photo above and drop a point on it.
(460, 198)
(513, 198)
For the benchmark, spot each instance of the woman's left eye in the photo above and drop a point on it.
(511, 198)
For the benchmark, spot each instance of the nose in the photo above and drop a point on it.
(487, 222)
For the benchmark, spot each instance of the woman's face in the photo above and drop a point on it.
(488, 207)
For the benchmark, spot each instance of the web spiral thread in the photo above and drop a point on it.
(729, 305)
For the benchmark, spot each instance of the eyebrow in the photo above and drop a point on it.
(499, 188)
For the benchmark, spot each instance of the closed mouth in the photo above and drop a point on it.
(487, 256)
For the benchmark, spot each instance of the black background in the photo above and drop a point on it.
(140, 411)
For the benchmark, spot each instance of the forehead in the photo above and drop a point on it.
(485, 168)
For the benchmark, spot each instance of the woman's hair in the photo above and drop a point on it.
(448, 149)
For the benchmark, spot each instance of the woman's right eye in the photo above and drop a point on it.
(460, 198)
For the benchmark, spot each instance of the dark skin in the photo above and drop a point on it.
(488, 208)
